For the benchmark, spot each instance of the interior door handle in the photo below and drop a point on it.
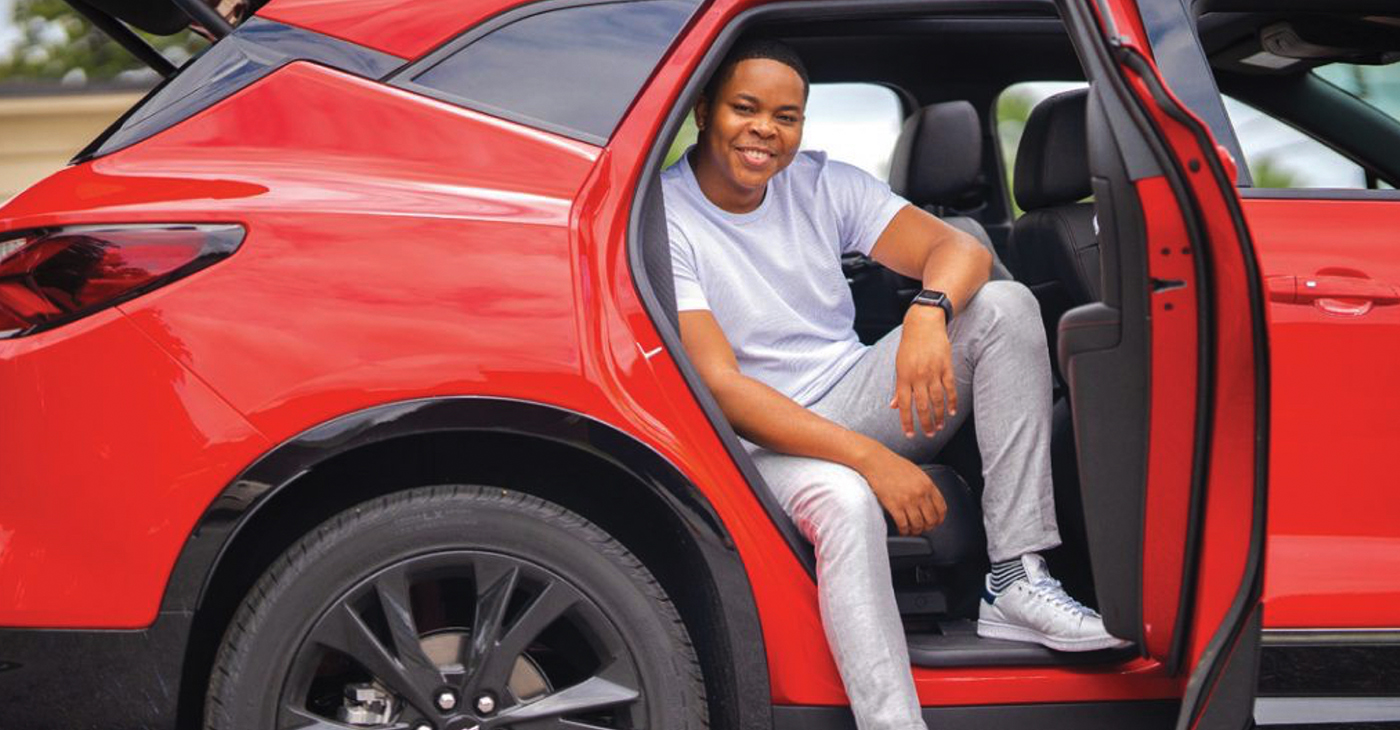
(1337, 294)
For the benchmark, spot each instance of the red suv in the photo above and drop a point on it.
(340, 384)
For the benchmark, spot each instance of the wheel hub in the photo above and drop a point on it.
(369, 704)
(366, 704)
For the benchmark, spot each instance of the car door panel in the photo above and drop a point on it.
(1333, 551)
(1216, 635)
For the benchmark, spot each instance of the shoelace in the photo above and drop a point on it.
(1052, 591)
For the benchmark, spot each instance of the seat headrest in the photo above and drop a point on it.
(938, 157)
(1052, 161)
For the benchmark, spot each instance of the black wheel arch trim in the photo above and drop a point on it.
(280, 467)
(285, 463)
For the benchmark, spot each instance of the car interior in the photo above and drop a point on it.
(948, 72)
(1075, 246)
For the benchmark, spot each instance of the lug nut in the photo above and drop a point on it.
(485, 704)
(446, 700)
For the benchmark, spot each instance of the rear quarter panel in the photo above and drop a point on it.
(397, 248)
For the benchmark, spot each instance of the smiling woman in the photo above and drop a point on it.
(750, 123)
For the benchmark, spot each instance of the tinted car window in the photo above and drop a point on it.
(854, 123)
(1378, 86)
(573, 70)
(1280, 156)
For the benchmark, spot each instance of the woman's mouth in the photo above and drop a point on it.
(754, 156)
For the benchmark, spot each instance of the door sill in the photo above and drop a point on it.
(955, 643)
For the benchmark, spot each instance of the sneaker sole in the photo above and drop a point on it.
(997, 630)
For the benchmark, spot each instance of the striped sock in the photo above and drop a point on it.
(1006, 572)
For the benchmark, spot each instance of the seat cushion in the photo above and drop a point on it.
(1059, 244)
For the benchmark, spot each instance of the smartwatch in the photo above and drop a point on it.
(932, 298)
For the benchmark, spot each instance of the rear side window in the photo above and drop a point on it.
(572, 70)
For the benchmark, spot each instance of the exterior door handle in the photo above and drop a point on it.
(1346, 295)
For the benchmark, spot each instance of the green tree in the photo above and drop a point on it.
(1268, 174)
(684, 139)
(56, 43)
(1013, 109)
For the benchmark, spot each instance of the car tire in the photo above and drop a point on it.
(407, 612)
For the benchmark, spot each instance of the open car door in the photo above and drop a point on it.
(1168, 373)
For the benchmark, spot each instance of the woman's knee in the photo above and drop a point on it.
(839, 500)
(1006, 299)
(1009, 308)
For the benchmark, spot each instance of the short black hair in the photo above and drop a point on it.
(751, 48)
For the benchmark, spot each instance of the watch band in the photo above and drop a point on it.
(934, 298)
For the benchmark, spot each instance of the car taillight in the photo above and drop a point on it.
(52, 276)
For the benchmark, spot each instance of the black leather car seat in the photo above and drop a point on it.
(937, 165)
(1054, 247)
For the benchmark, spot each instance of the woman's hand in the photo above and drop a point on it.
(924, 378)
(905, 491)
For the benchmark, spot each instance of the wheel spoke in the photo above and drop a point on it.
(548, 605)
(393, 590)
(590, 695)
(495, 582)
(296, 718)
(342, 629)
(558, 723)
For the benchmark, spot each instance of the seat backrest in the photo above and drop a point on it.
(1054, 244)
(1054, 247)
(937, 165)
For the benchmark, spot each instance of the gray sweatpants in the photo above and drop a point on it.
(1002, 369)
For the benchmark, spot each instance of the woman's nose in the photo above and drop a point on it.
(762, 127)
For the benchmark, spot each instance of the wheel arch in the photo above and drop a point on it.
(576, 461)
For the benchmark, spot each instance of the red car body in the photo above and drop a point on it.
(402, 250)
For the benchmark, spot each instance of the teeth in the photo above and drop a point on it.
(756, 155)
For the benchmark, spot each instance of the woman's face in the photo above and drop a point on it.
(751, 130)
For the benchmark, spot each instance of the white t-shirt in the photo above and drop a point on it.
(772, 277)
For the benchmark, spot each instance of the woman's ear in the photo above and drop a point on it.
(702, 112)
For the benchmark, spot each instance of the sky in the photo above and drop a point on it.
(854, 123)
(8, 33)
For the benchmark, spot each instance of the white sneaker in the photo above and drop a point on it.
(1037, 609)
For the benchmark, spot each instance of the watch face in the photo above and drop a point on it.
(929, 296)
(932, 298)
